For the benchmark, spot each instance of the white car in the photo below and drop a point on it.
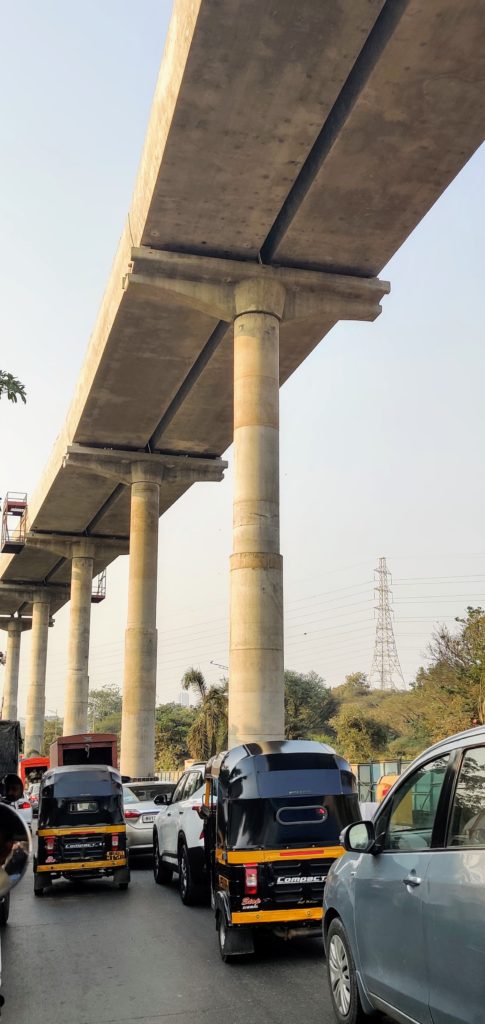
(178, 843)
(24, 808)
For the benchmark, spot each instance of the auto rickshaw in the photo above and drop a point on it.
(273, 816)
(81, 828)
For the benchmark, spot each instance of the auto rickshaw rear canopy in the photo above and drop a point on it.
(259, 770)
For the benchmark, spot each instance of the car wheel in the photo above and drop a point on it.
(161, 872)
(342, 976)
(188, 891)
(4, 910)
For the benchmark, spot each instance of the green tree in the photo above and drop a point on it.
(356, 685)
(172, 724)
(52, 729)
(12, 388)
(103, 704)
(359, 736)
(309, 705)
(208, 732)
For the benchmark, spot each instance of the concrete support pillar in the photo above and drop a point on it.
(77, 688)
(256, 299)
(256, 686)
(11, 678)
(34, 726)
(140, 678)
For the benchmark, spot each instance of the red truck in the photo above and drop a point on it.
(86, 748)
(31, 769)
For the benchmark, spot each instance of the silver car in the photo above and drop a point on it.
(142, 801)
(404, 923)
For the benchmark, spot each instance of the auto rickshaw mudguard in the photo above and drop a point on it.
(222, 905)
(239, 938)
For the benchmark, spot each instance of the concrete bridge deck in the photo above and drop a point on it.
(308, 135)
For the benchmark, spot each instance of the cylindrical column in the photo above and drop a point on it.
(140, 677)
(34, 726)
(11, 681)
(77, 688)
(256, 684)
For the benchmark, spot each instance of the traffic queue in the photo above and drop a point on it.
(271, 835)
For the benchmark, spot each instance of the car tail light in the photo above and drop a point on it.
(50, 844)
(24, 806)
(115, 841)
(131, 815)
(250, 879)
(385, 790)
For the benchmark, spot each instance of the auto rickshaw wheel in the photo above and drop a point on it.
(122, 879)
(189, 891)
(4, 910)
(161, 872)
(40, 884)
(234, 943)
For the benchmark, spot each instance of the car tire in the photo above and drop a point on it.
(342, 976)
(4, 910)
(189, 892)
(161, 872)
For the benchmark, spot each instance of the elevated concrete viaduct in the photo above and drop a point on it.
(292, 148)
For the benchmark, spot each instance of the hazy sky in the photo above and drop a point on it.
(382, 427)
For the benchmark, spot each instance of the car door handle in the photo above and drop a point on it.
(412, 880)
(181, 812)
(169, 814)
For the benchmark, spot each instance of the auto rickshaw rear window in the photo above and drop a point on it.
(301, 815)
(83, 807)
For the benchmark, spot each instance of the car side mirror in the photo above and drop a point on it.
(359, 837)
(15, 847)
(162, 798)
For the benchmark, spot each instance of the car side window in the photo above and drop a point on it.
(178, 791)
(467, 823)
(413, 810)
(192, 784)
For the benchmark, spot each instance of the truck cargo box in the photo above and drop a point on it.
(85, 748)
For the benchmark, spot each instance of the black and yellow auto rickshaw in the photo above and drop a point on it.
(273, 817)
(81, 828)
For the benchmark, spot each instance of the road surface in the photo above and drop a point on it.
(93, 955)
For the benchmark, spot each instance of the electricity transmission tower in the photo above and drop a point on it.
(386, 671)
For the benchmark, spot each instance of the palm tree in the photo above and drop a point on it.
(193, 679)
(208, 733)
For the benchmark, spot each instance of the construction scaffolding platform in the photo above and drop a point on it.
(14, 522)
(98, 593)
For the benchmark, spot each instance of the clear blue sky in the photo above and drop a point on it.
(381, 427)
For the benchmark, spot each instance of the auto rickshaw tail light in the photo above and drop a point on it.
(250, 879)
(50, 843)
(115, 841)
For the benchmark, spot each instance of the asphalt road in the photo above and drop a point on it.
(93, 955)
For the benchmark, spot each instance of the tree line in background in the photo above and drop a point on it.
(361, 723)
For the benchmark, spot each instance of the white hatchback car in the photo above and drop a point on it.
(178, 842)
